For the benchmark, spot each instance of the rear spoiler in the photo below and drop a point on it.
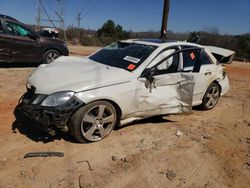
(222, 55)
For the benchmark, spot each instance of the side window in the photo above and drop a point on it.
(169, 65)
(190, 57)
(1, 27)
(16, 29)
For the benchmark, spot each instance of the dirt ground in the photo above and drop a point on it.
(214, 150)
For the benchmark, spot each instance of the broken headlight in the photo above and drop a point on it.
(58, 98)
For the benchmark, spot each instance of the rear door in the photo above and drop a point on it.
(23, 48)
(203, 69)
(168, 91)
(4, 45)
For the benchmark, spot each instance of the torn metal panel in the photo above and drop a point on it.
(224, 83)
(222, 55)
(171, 93)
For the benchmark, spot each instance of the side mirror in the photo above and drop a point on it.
(149, 74)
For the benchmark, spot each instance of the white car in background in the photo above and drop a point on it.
(123, 82)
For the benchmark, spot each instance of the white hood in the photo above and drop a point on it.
(75, 74)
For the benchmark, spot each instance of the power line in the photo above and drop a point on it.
(79, 18)
(79, 14)
(95, 5)
(41, 11)
(43, 15)
(86, 6)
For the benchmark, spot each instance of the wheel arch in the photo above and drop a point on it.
(218, 83)
(117, 107)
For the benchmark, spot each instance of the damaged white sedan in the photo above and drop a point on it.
(123, 82)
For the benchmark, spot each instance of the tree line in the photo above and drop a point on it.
(110, 32)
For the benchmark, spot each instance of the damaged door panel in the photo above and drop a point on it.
(165, 91)
(167, 94)
(203, 70)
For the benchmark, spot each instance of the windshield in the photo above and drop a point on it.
(123, 55)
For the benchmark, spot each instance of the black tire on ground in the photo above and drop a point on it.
(93, 122)
(50, 55)
(211, 97)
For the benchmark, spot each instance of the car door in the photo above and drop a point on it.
(203, 70)
(23, 48)
(164, 89)
(4, 45)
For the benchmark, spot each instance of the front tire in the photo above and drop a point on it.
(211, 97)
(50, 56)
(93, 122)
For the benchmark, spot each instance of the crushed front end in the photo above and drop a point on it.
(51, 116)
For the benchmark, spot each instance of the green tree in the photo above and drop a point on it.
(107, 30)
(111, 32)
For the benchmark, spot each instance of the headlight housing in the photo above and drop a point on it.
(58, 98)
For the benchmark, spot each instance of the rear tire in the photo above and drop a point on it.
(211, 97)
(93, 122)
(50, 56)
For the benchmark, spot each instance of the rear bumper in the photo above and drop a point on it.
(224, 85)
(49, 117)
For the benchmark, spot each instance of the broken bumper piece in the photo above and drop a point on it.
(49, 117)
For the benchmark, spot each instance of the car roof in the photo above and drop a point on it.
(161, 42)
(7, 17)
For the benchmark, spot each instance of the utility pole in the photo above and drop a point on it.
(79, 18)
(43, 16)
(165, 19)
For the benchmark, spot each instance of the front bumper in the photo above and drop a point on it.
(49, 117)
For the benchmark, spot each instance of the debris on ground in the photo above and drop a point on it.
(246, 166)
(248, 140)
(3, 160)
(170, 175)
(179, 133)
(124, 159)
(86, 161)
(44, 154)
(114, 158)
(206, 136)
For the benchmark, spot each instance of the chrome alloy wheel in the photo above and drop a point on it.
(98, 122)
(51, 56)
(212, 97)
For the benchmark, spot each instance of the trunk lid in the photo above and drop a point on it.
(222, 55)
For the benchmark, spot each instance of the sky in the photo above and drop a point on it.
(229, 16)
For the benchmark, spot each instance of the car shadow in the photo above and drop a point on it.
(19, 65)
(153, 120)
(197, 108)
(33, 130)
